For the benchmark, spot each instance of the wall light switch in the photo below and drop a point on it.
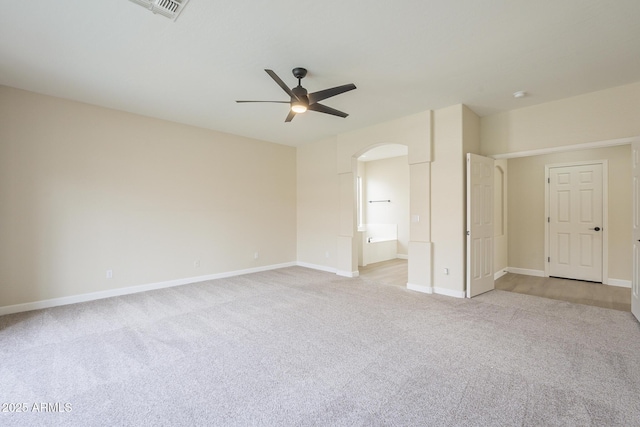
(415, 218)
(109, 274)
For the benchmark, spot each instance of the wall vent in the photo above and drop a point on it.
(169, 8)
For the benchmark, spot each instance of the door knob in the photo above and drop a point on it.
(597, 229)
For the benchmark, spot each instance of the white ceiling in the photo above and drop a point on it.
(404, 56)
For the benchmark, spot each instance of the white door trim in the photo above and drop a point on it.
(605, 213)
(635, 230)
(565, 148)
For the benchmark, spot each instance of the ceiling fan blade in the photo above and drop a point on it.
(328, 93)
(327, 110)
(279, 102)
(282, 84)
(290, 116)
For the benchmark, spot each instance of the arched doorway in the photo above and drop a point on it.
(382, 210)
(415, 133)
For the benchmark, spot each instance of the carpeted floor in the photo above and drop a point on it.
(302, 347)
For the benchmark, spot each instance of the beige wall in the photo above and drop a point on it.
(527, 207)
(86, 189)
(599, 116)
(456, 132)
(318, 203)
(447, 200)
(389, 179)
(470, 132)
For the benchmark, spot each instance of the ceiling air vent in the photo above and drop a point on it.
(169, 8)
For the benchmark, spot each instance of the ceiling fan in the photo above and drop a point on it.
(302, 101)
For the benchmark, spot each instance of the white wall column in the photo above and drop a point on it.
(420, 249)
(347, 250)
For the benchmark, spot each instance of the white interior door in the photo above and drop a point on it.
(635, 279)
(575, 222)
(479, 225)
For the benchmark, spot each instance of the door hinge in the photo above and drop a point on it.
(548, 219)
(548, 259)
(548, 180)
(468, 233)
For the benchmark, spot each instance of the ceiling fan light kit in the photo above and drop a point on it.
(298, 107)
(301, 100)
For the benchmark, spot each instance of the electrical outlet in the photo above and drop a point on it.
(196, 263)
(446, 271)
(256, 255)
(109, 274)
(326, 254)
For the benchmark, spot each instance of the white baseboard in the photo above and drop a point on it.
(348, 273)
(420, 288)
(619, 282)
(317, 267)
(92, 296)
(402, 256)
(526, 271)
(449, 292)
(499, 274)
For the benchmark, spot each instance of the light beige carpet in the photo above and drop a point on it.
(301, 347)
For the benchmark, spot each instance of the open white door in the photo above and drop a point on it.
(479, 224)
(635, 279)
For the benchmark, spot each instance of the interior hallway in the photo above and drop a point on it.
(394, 272)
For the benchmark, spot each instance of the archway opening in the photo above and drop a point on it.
(382, 213)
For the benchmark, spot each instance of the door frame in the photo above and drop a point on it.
(635, 229)
(605, 213)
